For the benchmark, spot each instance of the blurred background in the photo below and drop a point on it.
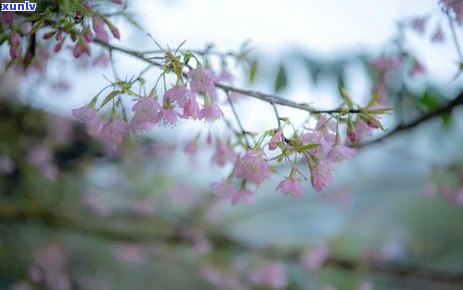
(72, 217)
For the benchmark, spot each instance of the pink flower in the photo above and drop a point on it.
(15, 40)
(253, 167)
(244, 196)
(223, 153)
(211, 112)
(80, 48)
(146, 114)
(275, 140)
(191, 147)
(88, 35)
(90, 117)
(320, 175)
(417, 69)
(385, 64)
(191, 109)
(314, 259)
(290, 186)
(168, 116)
(361, 129)
(223, 188)
(317, 137)
(115, 31)
(112, 133)
(270, 275)
(340, 153)
(98, 27)
(438, 36)
(418, 24)
(202, 81)
(7, 17)
(178, 94)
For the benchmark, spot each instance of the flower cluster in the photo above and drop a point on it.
(180, 101)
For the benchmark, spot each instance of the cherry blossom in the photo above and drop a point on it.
(146, 114)
(203, 81)
(253, 167)
(290, 186)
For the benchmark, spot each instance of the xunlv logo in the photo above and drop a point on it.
(26, 6)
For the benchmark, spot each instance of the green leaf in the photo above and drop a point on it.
(110, 96)
(345, 95)
(253, 71)
(428, 101)
(447, 119)
(306, 147)
(281, 81)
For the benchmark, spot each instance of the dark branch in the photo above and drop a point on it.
(448, 108)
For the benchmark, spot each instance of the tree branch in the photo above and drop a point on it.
(448, 108)
(272, 99)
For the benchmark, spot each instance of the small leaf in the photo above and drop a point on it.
(110, 96)
(447, 120)
(345, 95)
(428, 100)
(253, 71)
(306, 147)
(374, 99)
(281, 81)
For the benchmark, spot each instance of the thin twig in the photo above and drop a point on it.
(277, 100)
(454, 36)
(238, 121)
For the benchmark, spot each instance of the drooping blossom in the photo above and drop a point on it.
(191, 147)
(252, 166)
(168, 116)
(191, 109)
(314, 258)
(418, 24)
(321, 175)
(317, 137)
(15, 40)
(241, 196)
(202, 80)
(211, 112)
(7, 17)
(146, 114)
(98, 28)
(223, 188)
(385, 64)
(417, 69)
(223, 154)
(90, 117)
(179, 94)
(112, 135)
(360, 130)
(271, 275)
(340, 153)
(275, 140)
(438, 35)
(290, 186)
